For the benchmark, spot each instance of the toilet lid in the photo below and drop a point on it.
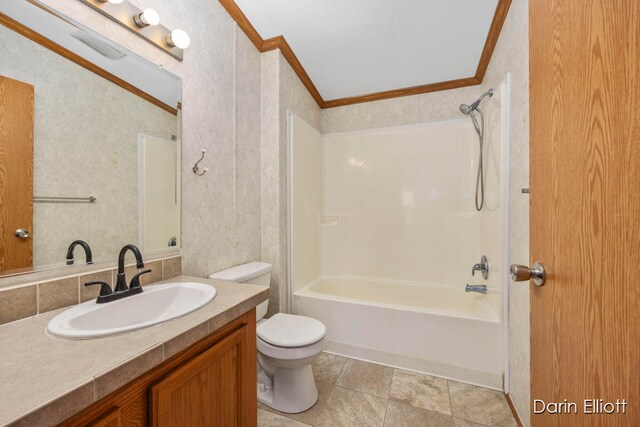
(289, 330)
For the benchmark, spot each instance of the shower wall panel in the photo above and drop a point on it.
(306, 165)
(398, 204)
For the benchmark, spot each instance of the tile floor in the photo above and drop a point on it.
(353, 393)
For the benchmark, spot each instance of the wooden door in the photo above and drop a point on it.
(585, 208)
(16, 173)
(216, 388)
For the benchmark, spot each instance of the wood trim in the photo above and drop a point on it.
(513, 410)
(492, 38)
(66, 53)
(396, 93)
(291, 58)
(273, 43)
(280, 42)
(243, 22)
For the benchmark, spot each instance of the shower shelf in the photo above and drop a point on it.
(330, 219)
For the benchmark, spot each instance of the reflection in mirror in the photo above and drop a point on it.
(89, 144)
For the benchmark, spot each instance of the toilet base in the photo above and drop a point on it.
(286, 390)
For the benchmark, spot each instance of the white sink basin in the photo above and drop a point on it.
(155, 305)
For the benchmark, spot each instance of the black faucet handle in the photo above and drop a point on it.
(135, 280)
(105, 289)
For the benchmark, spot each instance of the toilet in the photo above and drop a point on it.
(287, 346)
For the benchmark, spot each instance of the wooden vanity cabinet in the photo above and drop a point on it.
(211, 383)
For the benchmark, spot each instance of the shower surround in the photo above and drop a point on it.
(383, 235)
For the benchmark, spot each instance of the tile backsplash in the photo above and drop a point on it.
(36, 298)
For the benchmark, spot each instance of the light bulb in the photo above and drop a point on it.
(115, 1)
(146, 18)
(179, 39)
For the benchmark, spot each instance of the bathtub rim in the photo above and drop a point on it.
(307, 292)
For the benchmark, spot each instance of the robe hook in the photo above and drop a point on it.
(196, 168)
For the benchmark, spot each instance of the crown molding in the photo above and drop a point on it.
(280, 42)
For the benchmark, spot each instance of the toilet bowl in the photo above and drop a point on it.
(287, 346)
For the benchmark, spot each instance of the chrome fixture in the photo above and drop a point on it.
(469, 110)
(87, 251)
(145, 23)
(178, 38)
(173, 241)
(146, 18)
(46, 199)
(482, 267)
(22, 233)
(122, 290)
(522, 273)
(481, 289)
(196, 167)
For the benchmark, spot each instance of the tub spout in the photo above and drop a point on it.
(481, 289)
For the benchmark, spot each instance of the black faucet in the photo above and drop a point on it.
(121, 282)
(122, 290)
(87, 251)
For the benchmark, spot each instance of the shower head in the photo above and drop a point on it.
(465, 109)
(468, 109)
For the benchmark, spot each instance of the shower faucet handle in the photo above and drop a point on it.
(483, 267)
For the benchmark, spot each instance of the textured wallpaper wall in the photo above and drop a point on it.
(511, 55)
(282, 91)
(234, 105)
(221, 113)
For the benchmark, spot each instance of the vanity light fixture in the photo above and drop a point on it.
(145, 23)
(146, 18)
(178, 38)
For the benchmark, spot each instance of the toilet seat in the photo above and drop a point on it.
(290, 331)
(290, 353)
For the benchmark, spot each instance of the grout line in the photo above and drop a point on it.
(449, 396)
(37, 298)
(324, 404)
(234, 130)
(386, 409)
(361, 392)
(341, 369)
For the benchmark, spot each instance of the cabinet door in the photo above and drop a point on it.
(111, 419)
(216, 388)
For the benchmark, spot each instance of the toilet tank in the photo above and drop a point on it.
(254, 273)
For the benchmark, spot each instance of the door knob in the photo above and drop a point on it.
(521, 273)
(22, 233)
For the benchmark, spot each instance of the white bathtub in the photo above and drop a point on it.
(434, 329)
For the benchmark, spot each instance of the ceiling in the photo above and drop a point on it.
(360, 47)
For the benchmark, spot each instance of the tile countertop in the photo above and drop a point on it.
(45, 380)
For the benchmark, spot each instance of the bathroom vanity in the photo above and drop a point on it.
(210, 383)
(198, 369)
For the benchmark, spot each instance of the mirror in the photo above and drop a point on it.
(89, 144)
